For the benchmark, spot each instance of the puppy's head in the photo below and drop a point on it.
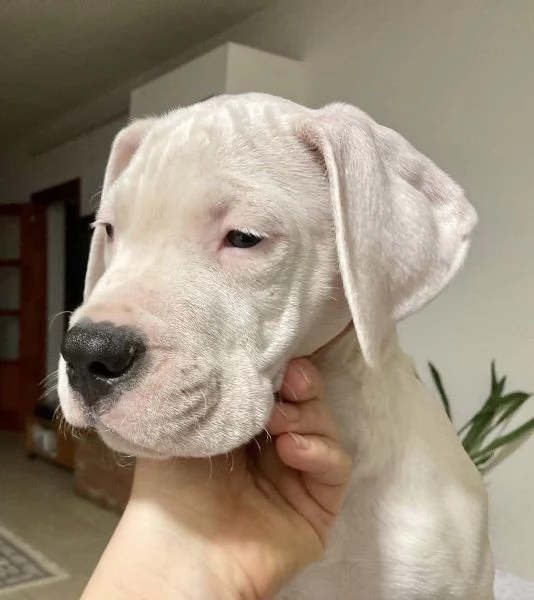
(232, 236)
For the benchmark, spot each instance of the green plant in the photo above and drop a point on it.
(484, 436)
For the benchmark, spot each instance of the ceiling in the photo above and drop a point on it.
(58, 54)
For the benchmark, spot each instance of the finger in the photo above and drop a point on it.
(325, 467)
(324, 460)
(302, 381)
(310, 417)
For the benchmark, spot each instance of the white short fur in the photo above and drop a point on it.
(359, 227)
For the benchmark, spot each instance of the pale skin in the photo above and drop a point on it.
(235, 527)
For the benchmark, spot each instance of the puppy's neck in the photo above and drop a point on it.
(344, 352)
(365, 401)
(341, 353)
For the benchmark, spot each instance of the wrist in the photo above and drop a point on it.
(179, 556)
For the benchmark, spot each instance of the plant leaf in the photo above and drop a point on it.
(515, 401)
(482, 463)
(500, 386)
(478, 431)
(497, 410)
(493, 376)
(441, 389)
(493, 460)
(479, 426)
(525, 429)
(466, 425)
(487, 408)
(491, 408)
(495, 404)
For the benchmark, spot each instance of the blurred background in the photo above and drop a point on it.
(456, 78)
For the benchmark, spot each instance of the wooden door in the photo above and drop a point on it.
(22, 310)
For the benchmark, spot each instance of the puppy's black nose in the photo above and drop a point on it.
(100, 357)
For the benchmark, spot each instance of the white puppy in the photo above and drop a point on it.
(243, 231)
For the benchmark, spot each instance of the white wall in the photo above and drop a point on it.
(228, 69)
(200, 78)
(84, 157)
(457, 79)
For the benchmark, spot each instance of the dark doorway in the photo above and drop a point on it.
(77, 241)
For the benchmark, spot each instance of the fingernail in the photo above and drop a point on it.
(288, 392)
(300, 441)
(304, 376)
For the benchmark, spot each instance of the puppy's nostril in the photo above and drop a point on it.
(114, 364)
(98, 369)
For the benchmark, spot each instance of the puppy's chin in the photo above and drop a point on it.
(119, 444)
(186, 449)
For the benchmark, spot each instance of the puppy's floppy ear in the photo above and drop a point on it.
(402, 225)
(123, 149)
(96, 261)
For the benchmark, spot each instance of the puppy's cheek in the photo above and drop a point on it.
(71, 407)
(73, 413)
(249, 409)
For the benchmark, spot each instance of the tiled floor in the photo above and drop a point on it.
(37, 504)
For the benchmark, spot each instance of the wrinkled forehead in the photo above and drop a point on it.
(214, 161)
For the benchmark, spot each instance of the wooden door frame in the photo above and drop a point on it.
(26, 372)
(10, 369)
(33, 319)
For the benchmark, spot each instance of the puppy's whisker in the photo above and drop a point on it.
(48, 391)
(73, 431)
(205, 403)
(257, 444)
(230, 454)
(52, 319)
(203, 438)
(197, 421)
(51, 375)
(211, 467)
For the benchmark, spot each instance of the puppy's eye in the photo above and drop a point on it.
(242, 239)
(109, 230)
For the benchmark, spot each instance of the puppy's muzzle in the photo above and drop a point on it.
(102, 358)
